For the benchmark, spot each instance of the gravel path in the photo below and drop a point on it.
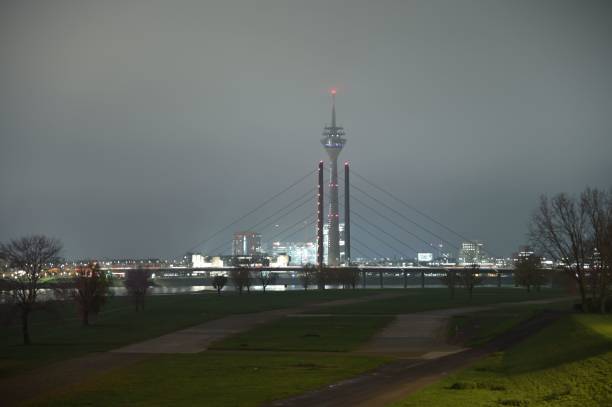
(423, 334)
(397, 380)
(410, 334)
(197, 338)
(27, 386)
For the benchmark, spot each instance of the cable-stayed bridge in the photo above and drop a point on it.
(383, 228)
(381, 231)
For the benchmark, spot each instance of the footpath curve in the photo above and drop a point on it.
(29, 385)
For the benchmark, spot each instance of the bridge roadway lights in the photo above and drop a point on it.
(500, 274)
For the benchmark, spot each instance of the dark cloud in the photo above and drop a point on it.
(136, 128)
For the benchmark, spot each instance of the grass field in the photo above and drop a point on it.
(567, 364)
(308, 333)
(278, 363)
(57, 333)
(212, 379)
(436, 298)
(474, 329)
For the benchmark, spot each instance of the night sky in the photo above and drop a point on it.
(138, 128)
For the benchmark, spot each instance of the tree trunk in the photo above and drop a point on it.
(580, 281)
(24, 326)
(85, 318)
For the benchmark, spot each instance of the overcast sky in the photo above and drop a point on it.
(138, 128)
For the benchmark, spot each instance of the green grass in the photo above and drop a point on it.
(435, 298)
(477, 328)
(212, 379)
(59, 335)
(308, 333)
(566, 364)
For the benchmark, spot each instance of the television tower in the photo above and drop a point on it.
(333, 141)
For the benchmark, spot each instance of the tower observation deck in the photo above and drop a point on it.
(333, 141)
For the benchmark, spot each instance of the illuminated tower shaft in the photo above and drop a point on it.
(333, 142)
(333, 217)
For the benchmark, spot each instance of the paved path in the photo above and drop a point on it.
(27, 386)
(197, 338)
(395, 381)
(423, 334)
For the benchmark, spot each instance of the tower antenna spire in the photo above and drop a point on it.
(333, 95)
(333, 141)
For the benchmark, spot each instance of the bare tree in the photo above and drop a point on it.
(528, 273)
(137, 283)
(267, 278)
(598, 206)
(248, 280)
(450, 280)
(559, 229)
(241, 278)
(324, 276)
(348, 277)
(219, 282)
(91, 291)
(4, 268)
(307, 275)
(469, 278)
(30, 257)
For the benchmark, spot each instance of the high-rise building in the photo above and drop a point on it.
(471, 252)
(246, 243)
(299, 253)
(333, 142)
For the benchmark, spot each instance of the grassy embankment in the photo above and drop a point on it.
(438, 298)
(57, 333)
(308, 333)
(212, 379)
(354, 324)
(566, 364)
(250, 378)
(476, 328)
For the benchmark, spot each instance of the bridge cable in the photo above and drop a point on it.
(353, 186)
(264, 203)
(353, 212)
(360, 202)
(389, 246)
(368, 247)
(274, 221)
(423, 214)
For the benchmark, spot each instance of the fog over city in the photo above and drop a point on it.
(139, 128)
